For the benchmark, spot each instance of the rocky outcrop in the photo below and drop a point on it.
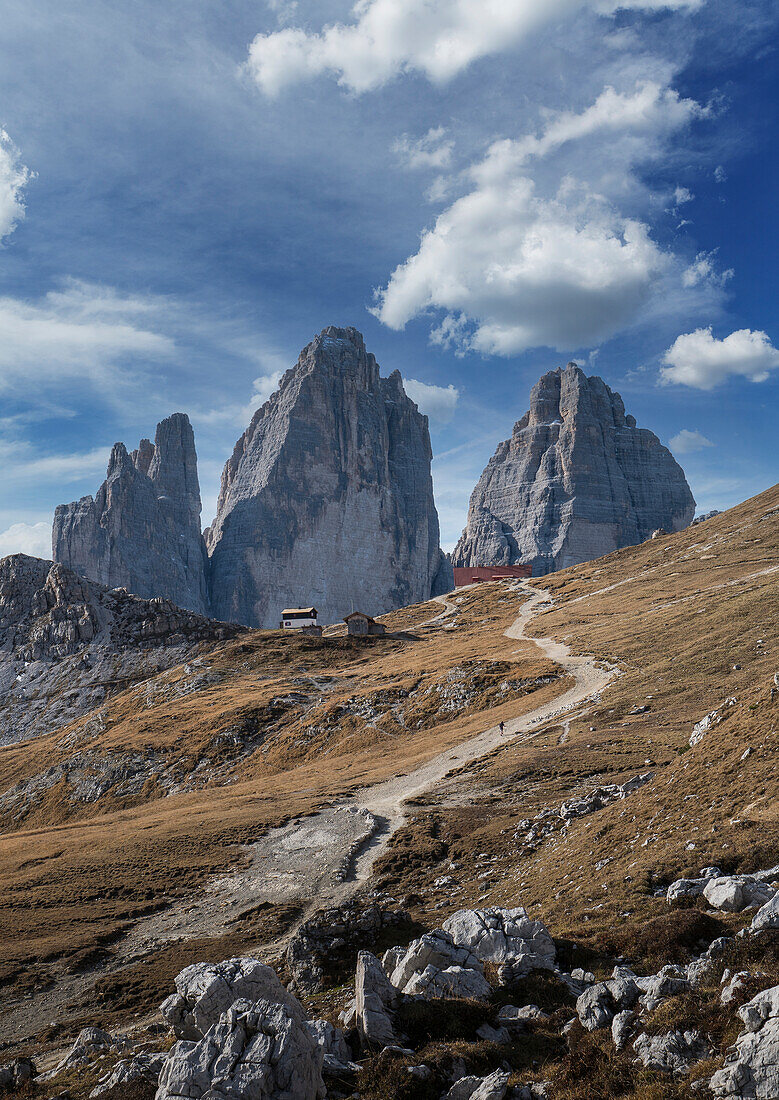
(507, 937)
(576, 480)
(204, 991)
(751, 1068)
(67, 644)
(142, 531)
(674, 1052)
(253, 1052)
(328, 497)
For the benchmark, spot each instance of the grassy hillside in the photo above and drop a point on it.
(267, 728)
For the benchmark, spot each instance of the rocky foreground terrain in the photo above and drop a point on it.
(576, 480)
(363, 885)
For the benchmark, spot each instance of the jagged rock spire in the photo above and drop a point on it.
(142, 530)
(327, 498)
(576, 480)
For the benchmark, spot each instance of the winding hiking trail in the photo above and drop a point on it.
(324, 858)
(321, 860)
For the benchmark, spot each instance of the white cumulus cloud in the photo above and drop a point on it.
(699, 359)
(526, 271)
(529, 258)
(431, 151)
(26, 538)
(437, 402)
(687, 441)
(13, 177)
(438, 38)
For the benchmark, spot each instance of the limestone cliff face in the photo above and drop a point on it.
(142, 530)
(576, 480)
(328, 497)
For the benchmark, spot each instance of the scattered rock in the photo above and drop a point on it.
(669, 982)
(253, 1052)
(622, 1027)
(736, 983)
(17, 1073)
(141, 1067)
(376, 1000)
(673, 1052)
(751, 1067)
(599, 1004)
(206, 990)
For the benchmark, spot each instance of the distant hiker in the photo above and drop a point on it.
(502, 726)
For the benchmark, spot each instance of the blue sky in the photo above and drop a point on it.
(485, 188)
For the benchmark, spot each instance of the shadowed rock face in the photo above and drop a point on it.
(328, 497)
(576, 480)
(142, 530)
(67, 643)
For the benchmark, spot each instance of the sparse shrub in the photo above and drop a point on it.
(441, 1020)
(386, 1077)
(673, 937)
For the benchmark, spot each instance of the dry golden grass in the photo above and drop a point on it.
(75, 876)
(676, 616)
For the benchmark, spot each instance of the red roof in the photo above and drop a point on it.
(474, 573)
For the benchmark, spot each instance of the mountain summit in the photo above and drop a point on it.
(576, 480)
(327, 500)
(328, 496)
(142, 530)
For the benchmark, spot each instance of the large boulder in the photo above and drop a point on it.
(767, 916)
(684, 889)
(376, 1000)
(493, 1087)
(434, 966)
(599, 1004)
(732, 893)
(674, 1052)
(253, 1052)
(454, 982)
(504, 936)
(204, 991)
(751, 1070)
(336, 1053)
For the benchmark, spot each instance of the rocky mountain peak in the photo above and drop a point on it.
(142, 530)
(328, 497)
(576, 480)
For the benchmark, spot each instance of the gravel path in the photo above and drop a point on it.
(324, 858)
